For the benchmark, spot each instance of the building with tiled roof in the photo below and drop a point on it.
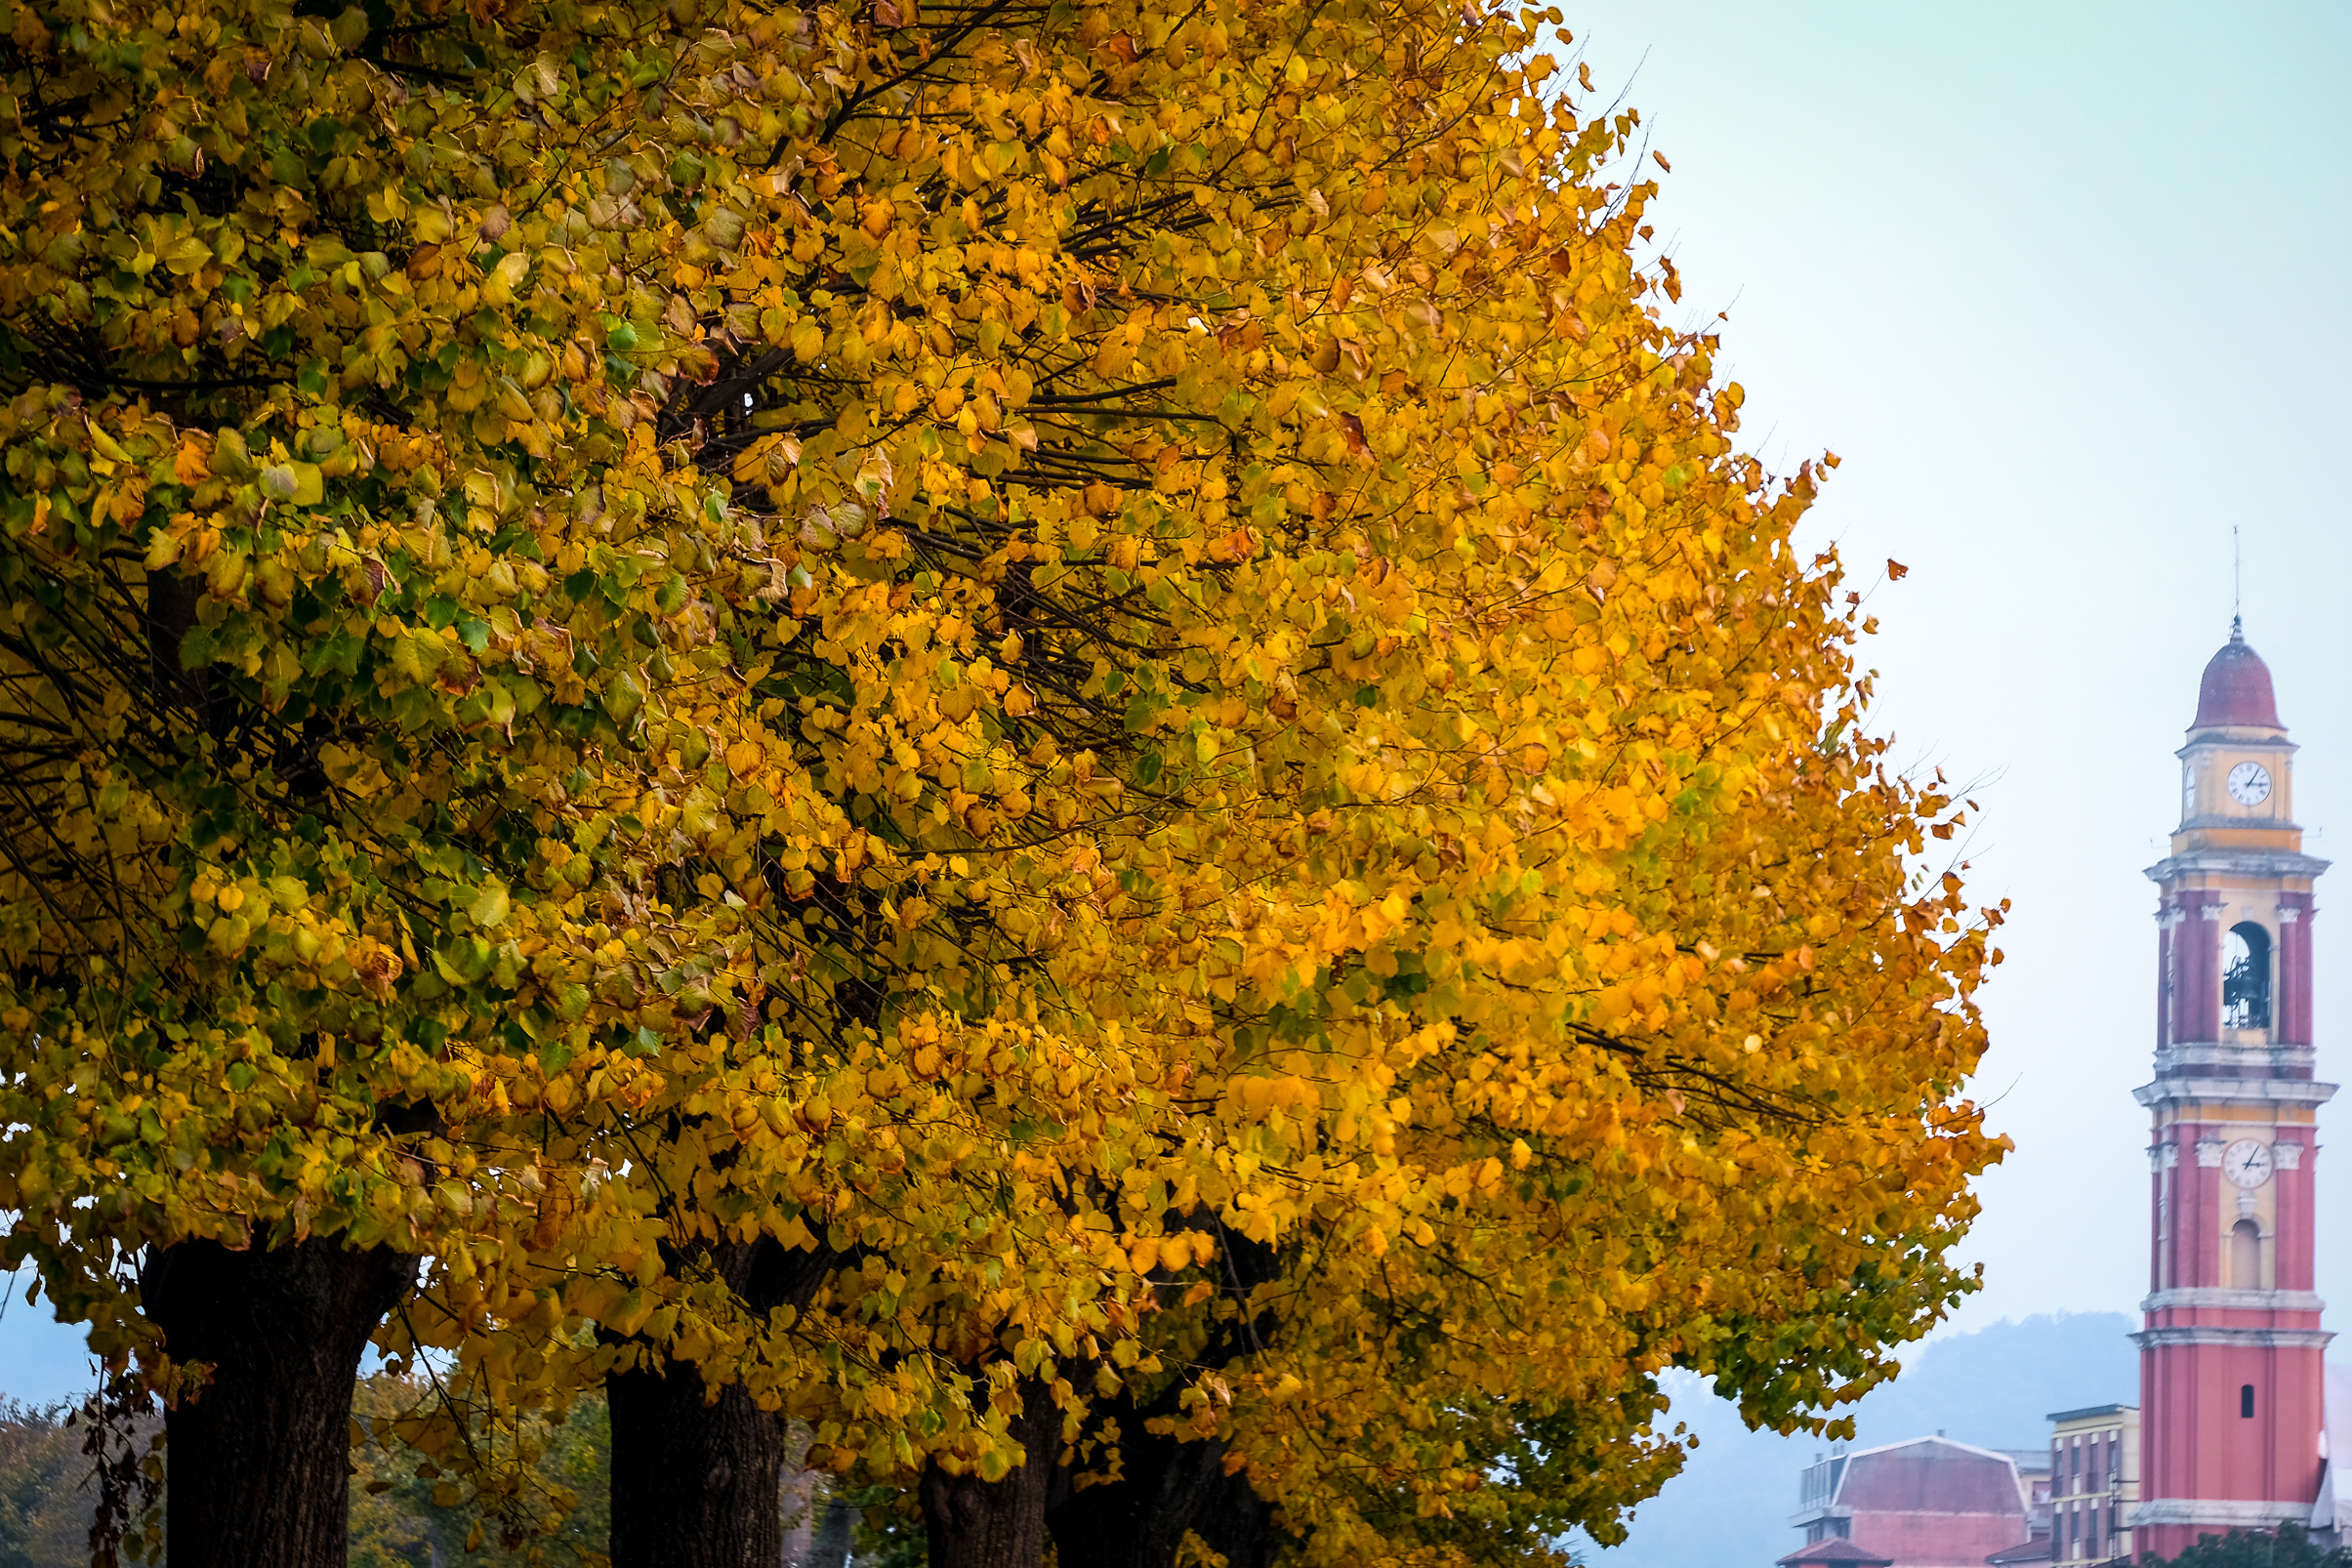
(1929, 1502)
(1834, 1551)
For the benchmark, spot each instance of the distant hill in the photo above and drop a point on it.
(1730, 1506)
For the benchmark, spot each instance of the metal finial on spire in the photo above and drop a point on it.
(2237, 588)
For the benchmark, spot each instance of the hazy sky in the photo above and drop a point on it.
(2065, 285)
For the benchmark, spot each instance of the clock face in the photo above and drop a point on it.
(2246, 1163)
(2250, 783)
(2188, 793)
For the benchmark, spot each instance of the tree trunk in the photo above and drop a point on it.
(1166, 1489)
(260, 1457)
(697, 1483)
(971, 1523)
(694, 1484)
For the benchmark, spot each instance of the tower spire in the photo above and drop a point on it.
(2237, 588)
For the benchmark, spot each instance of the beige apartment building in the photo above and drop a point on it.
(2095, 1481)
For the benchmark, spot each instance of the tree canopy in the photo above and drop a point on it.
(2289, 1545)
(1027, 729)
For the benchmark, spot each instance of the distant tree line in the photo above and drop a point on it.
(2291, 1545)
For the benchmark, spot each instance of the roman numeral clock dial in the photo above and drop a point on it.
(2250, 783)
(2246, 1163)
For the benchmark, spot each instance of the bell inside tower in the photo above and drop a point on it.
(2245, 978)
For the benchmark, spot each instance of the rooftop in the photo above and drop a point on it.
(1838, 1551)
(2089, 1411)
(1931, 1474)
(2236, 688)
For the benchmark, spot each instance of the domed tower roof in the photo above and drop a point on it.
(2236, 688)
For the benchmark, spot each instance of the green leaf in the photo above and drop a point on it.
(489, 907)
(623, 696)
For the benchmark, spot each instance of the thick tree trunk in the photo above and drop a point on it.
(260, 1458)
(694, 1485)
(971, 1523)
(1166, 1489)
(697, 1483)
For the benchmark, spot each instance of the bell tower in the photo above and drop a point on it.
(2231, 1347)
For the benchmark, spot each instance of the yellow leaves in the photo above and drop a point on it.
(744, 756)
(185, 255)
(301, 483)
(190, 461)
(1282, 893)
(416, 653)
(1113, 359)
(489, 907)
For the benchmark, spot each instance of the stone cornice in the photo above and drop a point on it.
(2215, 1333)
(2238, 862)
(2274, 1090)
(2217, 1511)
(2213, 1054)
(2189, 1298)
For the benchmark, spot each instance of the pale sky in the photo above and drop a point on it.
(2065, 284)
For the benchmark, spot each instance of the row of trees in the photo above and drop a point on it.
(1056, 736)
(46, 1506)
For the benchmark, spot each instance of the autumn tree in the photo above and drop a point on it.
(327, 683)
(1251, 425)
(1061, 735)
(1422, 676)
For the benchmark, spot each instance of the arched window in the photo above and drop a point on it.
(2245, 978)
(2245, 1256)
(2246, 1402)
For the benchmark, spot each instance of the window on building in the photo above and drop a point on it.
(2245, 1256)
(2246, 1402)
(2245, 978)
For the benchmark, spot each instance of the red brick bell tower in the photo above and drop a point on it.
(2230, 1355)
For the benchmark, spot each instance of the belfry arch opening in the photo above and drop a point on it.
(2245, 978)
